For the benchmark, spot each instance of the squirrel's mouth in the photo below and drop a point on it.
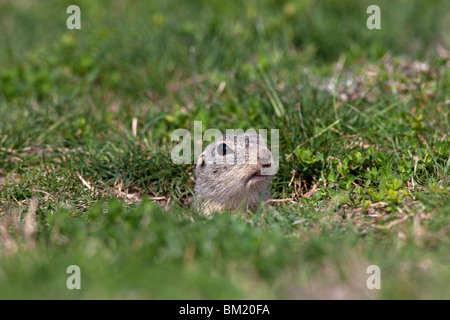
(256, 177)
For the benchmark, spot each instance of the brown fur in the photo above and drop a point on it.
(235, 180)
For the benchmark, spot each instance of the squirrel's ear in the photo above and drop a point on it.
(200, 162)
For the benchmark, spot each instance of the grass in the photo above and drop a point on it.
(364, 149)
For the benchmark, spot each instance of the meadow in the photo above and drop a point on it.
(86, 176)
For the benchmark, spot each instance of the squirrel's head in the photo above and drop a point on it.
(236, 162)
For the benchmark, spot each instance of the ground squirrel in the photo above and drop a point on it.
(233, 172)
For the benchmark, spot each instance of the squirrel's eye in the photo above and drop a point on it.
(223, 149)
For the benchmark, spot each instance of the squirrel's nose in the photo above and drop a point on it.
(265, 157)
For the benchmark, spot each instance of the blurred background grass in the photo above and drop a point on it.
(369, 107)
